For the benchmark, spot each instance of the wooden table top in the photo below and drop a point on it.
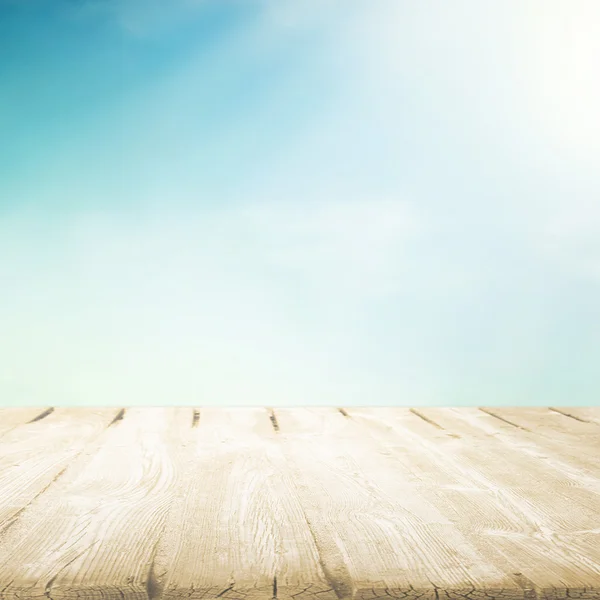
(302, 503)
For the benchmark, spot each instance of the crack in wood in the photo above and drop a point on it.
(228, 589)
(529, 587)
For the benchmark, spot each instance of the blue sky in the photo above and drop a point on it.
(299, 202)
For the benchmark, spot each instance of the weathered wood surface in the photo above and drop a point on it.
(290, 504)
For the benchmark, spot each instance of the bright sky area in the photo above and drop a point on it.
(296, 202)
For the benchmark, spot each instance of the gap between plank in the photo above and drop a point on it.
(415, 412)
(566, 414)
(118, 417)
(273, 418)
(42, 415)
(488, 412)
(15, 517)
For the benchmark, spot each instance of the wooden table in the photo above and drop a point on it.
(297, 504)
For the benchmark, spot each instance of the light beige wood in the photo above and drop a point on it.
(522, 516)
(93, 534)
(587, 414)
(285, 504)
(547, 422)
(537, 435)
(555, 453)
(11, 418)
(379, 534)
(34, 455)
(245, 532)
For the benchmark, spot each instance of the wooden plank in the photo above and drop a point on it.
(377, 534)
(10, 418)
(494, 501)
(552, 425)
(587, 414)
(543, 453)
(544, 420)
(245, 504)
(34, 454)
(544, 478)
(93, 533)
(535, 434)
(245, 534)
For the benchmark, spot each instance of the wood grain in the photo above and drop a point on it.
(245, 532)
(93, 533)
(588, 414)
(11, 418)
(380, 536)
(284, 504)
(35, 454)
(523, 517)
(578, 449)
